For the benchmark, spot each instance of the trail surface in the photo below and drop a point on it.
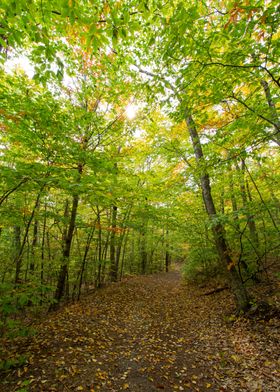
(148, 334)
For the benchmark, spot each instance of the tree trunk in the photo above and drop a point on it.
(143, 252)
(65, 254)
(167, 254)
(34, 245)
(104, 257)
(242, 262)
(123, 254)
(238, 289)
(250, 217)
(273, 112)
(18, 258)
(234, 204)
(17, 240)
(113, 260)
(121, 238)
(83, 266)
(99, 251)
(132, 254)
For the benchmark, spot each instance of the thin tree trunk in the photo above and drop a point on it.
(104, 257)
(236, 223)
(43, 251)
(132, 255)
(43, 244)
(143, 252)
(34, 245)
(18, 258)
(123, 254)
(234, 204)
(273, 112)
(27, 258)
(99, 248)
(250, 217)
(122, 236)
(167, 254)
(262, 200)
(143, 240)
(17, 240)
(87, 248)
(113, 261)
(49, 246)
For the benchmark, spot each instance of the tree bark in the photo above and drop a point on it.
(238, 289)
(83, 266)
(34, 245)
(113, 259)
(121, 238)
(234, 203)
(167, 254)
(143, 252)
(250, 217)
(99, 251)
(65, 254)
(18, 258)
(123, 254)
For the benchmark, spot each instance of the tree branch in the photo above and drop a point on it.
(7, 193)
(244, 66)
(252, 110)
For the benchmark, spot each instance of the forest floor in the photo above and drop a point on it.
(146, 334)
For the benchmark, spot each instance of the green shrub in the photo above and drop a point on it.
(201, 263)
(14, 300)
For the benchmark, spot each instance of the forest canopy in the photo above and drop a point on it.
(135, 134)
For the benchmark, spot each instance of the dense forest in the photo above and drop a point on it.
(136, 135)
(133, 135)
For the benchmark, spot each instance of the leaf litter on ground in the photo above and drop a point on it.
(146, 334)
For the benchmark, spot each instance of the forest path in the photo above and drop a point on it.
(148, 334)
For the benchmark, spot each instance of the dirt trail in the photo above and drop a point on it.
(148, 334)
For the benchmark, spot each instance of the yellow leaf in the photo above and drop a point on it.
(208, 385)
(80, 388)
(235, 358)
(126, 386)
